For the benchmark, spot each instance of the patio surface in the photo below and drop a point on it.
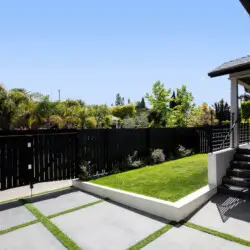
(225, 214)
(108, 225)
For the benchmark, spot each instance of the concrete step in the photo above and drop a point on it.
(236, 181)
(242, 157)
(244, 151)
(234, 191)
(237, 172)
(240, 164)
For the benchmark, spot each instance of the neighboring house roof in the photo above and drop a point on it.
(233, 66)
(246, 4)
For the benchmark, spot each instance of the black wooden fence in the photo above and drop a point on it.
(37, 156)
(48, 155)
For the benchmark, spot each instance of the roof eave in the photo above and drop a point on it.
(229, 71)
(246, 5)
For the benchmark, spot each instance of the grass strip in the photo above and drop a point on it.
(63, 238)
(218, 234)
(8, 230)
(34, 195)
(151, 238)
(74, 209)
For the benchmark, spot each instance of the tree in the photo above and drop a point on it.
(159, 100)
(141, 104)
(119, 100)
(202, 115)
(222, 111)
(172, 103)
(124, 111)
(183, 105)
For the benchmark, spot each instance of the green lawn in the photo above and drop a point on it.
(170, 181)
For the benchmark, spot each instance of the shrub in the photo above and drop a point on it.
(129, 123)
(141, 120)
(183, 152)
(84, 170)
(158, 156)
(245, 110)
(133, 161)
(124, 111)
(91, 122)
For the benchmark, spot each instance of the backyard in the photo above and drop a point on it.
(170, 180)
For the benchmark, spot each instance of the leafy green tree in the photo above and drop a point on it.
(124, 111)
(172, 103)
(129, 122)
(183, 105)
(159, 100)
(141, 104)
(202, 115)
(119, 101)
(222, 111)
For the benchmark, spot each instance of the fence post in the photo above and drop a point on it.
(148, 141)
(232, 133)
(210, 139)
(77, 160)
(106, 150)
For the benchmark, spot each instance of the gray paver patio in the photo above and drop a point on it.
(225, 214)
(106, 226)
(63, 201)
(16, 193)
(14, 214)
(185, 238)
(34, 237)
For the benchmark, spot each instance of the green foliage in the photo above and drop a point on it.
(159, 100)
(133, 161)
(170, 180)
(183, 152)
(158, 156)
(91, 122)
(245, 110)
(129, 122)
(141, 104)
(222, 111)
(203, 115)
(124, 111)
(182, 107)
(119, 101)
(141, 120)
(172, 103)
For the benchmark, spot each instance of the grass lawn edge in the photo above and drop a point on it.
(144, 242)
(62, 237)
(218, 234)
(123, 182)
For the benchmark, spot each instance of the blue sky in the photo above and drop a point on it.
(94, 49)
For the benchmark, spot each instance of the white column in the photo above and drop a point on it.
(234, 139)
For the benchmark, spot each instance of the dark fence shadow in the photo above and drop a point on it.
(232, 207)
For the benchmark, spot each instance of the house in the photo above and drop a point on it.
(229, 169)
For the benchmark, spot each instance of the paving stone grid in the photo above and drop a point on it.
(96, 224)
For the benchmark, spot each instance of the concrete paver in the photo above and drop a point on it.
(106, 226)
(14, 214)
(63, 200)
(15, 193)
(225, 214)
(185, 238)
(34, 237)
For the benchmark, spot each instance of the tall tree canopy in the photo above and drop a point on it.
(222, 111)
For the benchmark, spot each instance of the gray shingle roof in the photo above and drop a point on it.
(233, 66)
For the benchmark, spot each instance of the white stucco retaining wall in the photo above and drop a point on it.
(174, 211)
(218, 163)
